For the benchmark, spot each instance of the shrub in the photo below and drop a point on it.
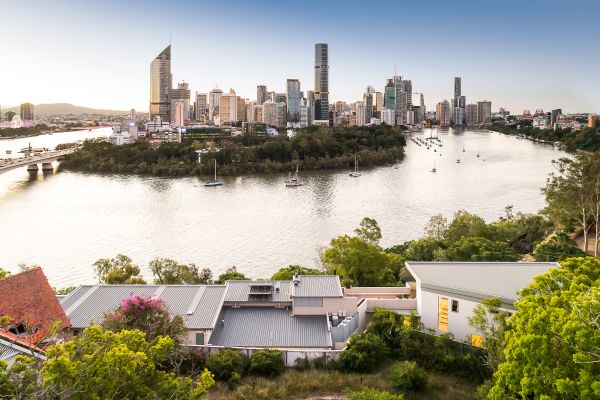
(363, 353)
(407, 375)
(373, 394)
(267, 362)
(225, 363)
(301, 364)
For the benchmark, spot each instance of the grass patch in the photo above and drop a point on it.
(294, 384)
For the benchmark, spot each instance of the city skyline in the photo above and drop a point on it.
(106, 64)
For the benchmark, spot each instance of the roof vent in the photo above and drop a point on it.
(296, 280)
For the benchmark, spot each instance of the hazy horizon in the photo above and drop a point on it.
(520, 56)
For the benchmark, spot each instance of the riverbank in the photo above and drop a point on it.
(587, 139)
(322, 149)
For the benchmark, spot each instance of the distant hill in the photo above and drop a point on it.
(63, 109)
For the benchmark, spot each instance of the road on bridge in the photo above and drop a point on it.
(13, 163)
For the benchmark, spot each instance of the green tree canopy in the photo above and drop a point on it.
(553, 342)
(490, 321)
(557, 248)
(170, 272)
(465, 224)
(231, 274)
(287, 273)
(369, 231)
(4, 273)
(118, 270)
(354, 259)
(102, 365)
(426, 249)
(480, 249)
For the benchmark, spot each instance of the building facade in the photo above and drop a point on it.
(161, 82)
(471, 114)
(201, 107)
(484, 112)
(181, 94)
(293, 98)
(261, 94)
(458, 116)
(321, 91)
(443, 113)
(214, 104)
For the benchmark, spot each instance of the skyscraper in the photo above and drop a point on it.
(471, 114)
(321, 82)
(26, 112)
(484, 112)
(201, 107)
(368, 104)
(214, 103)
(181, 94)
(228, 108)
(261, 94)
(443, 113)
(457, 91)
(389, 95)
(161, 82)
(293, 98)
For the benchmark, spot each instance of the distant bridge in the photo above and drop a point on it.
(32, 162)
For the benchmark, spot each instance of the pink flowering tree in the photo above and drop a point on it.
(148, 314)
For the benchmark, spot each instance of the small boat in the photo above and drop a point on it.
(458, 160)
(477, 151)
(355, 173)
(214, 182)
(294, 181)
(463, 148)
(8, 151)
(433, 169)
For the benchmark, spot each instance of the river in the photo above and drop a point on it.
(65, 221)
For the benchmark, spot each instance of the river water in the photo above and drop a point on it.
(65, 221)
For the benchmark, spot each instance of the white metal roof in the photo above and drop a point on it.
(478, 279)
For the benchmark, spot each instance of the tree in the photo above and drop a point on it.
(287, 273)
(573, 194)
(369, 231)
(65, 290)
(148, 315)
(104, 364)
(170, 272)
(557, 248)
(427, 249)
(118, 270)
(267, 362)
(363, 352)
(465, 224)
(231, 274)
(407, 375)
(437, 227)
(552, 344)
(480, 249)
(352, 258)
(226, 363)
(4, 273)
(489, 320)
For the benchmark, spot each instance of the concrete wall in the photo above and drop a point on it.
(330, 305)
(392, 304)
(377, 292)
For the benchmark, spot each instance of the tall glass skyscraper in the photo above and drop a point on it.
(321, 81)
(293, 98)
(161, 82)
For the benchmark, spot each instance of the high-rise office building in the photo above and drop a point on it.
(377, 104)
(360, 113)
(180, 111)
(305, 113)
(458, 116)
(293, 97)
(182, 93)
(310, 99)
(484, 112)
(368, 104)
(389, 95)
(228, 110)
(443, 113)
(269, 113)
(201, 107)
(471, 114)
(321, 82)
(214, 104)
(281, 114)
(261, 94)
(26, 112)
(407, 92)
(457, 91)
(388, 116)
(278, 97)
(161, 82)
(241, 109)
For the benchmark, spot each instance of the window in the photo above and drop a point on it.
(200, 338)
(442, 313)
(477, 340)
(455, 306)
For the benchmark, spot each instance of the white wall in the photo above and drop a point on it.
(330, 305)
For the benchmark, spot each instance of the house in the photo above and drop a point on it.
(447, 292)
(12, 346)
(308, 312)
(28, 301)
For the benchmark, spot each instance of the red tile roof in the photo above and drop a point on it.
(27, 298)
(19, 340)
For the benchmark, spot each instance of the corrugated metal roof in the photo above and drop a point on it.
(269, 327)
(88, 304)
(238, 291)
(481, 279)
(318, 286)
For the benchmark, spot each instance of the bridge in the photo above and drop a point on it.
(32, 162)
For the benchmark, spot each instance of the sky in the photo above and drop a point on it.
(518, 54)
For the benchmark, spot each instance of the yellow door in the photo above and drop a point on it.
(442, 313)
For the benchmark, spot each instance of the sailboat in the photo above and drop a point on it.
(433, 169)
(477, 151)
(397, 166)
(463, 148)
(214, 182)
(355, 173)
(294, 181)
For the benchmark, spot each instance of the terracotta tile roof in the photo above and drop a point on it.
(19, 340)
(27, 298)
